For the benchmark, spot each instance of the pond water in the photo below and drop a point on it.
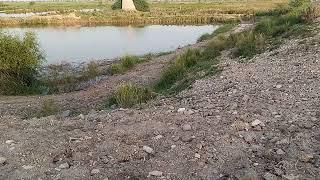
(80, 44)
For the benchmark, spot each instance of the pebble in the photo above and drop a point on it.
(306, 158)
(256, 123)
(181, 110)
(65, 113)
(186, 138)
(3, 160)
(64, 166)
(245, 98)
(197, 156)
(186, 127)
(158, 137)
(278, 86)
(9, 141)
(291, 177)
(95, 171)
(269, 176)
(81, 116)
(173, 146)
(155, 173)
(148, 149)
(27, 167)
(280, 152)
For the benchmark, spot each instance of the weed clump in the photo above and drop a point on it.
(127, 95)
(125, 64)
(48, 108)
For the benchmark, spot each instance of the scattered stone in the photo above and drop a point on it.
(27, 167)
(245, 98)
(3, 160)
(186, 127)
(181, 110)
(269, 176)
(240, 126)
(148, 149)
(95, 171)
(256, 123)
(280, 152)
(64, 166)
(9, 141)
(306, 157)
(278, 171)
(155, 173)
(291, 177)
(81, 116)
(186, 138)
(158, 137)
(283, 141)
(249, 137)
(65, 114)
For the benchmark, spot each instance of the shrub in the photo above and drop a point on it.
(48, 108)
(91, 70)
(249, 43)
(125, 64)
(177, 69)
(141, 5)
(222, 29)
(128, 95)
(19, 60)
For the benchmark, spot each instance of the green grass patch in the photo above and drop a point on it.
(48, 108)
(128, 95)
(125, 64)
(222, 29)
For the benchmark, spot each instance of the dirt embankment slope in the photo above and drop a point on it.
(255, 120)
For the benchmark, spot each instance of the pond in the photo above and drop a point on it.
(81, 44)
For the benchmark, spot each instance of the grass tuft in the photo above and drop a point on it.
(125, 64)
(48, 108)
(127, 95)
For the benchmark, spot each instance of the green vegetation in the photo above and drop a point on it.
(222, 29)
(128, 95)
(48, 108)
(20, 58)
(272, 27)
(125, 64)
(141, 5)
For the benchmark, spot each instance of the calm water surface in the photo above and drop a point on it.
(80, 44)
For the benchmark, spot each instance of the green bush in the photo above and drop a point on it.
(48, 108)
(125, 64)
(19, 60)
(177, 69)
(91, 70)
(128, 95)
(249, 44)
(141, 5)
(222, 29)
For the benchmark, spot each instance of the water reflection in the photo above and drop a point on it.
(78, 44)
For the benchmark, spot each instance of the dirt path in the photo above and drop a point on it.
(85, 100)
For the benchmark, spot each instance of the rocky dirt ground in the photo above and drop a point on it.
(255, 120)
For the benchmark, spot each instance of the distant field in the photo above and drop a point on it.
(70, 13)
